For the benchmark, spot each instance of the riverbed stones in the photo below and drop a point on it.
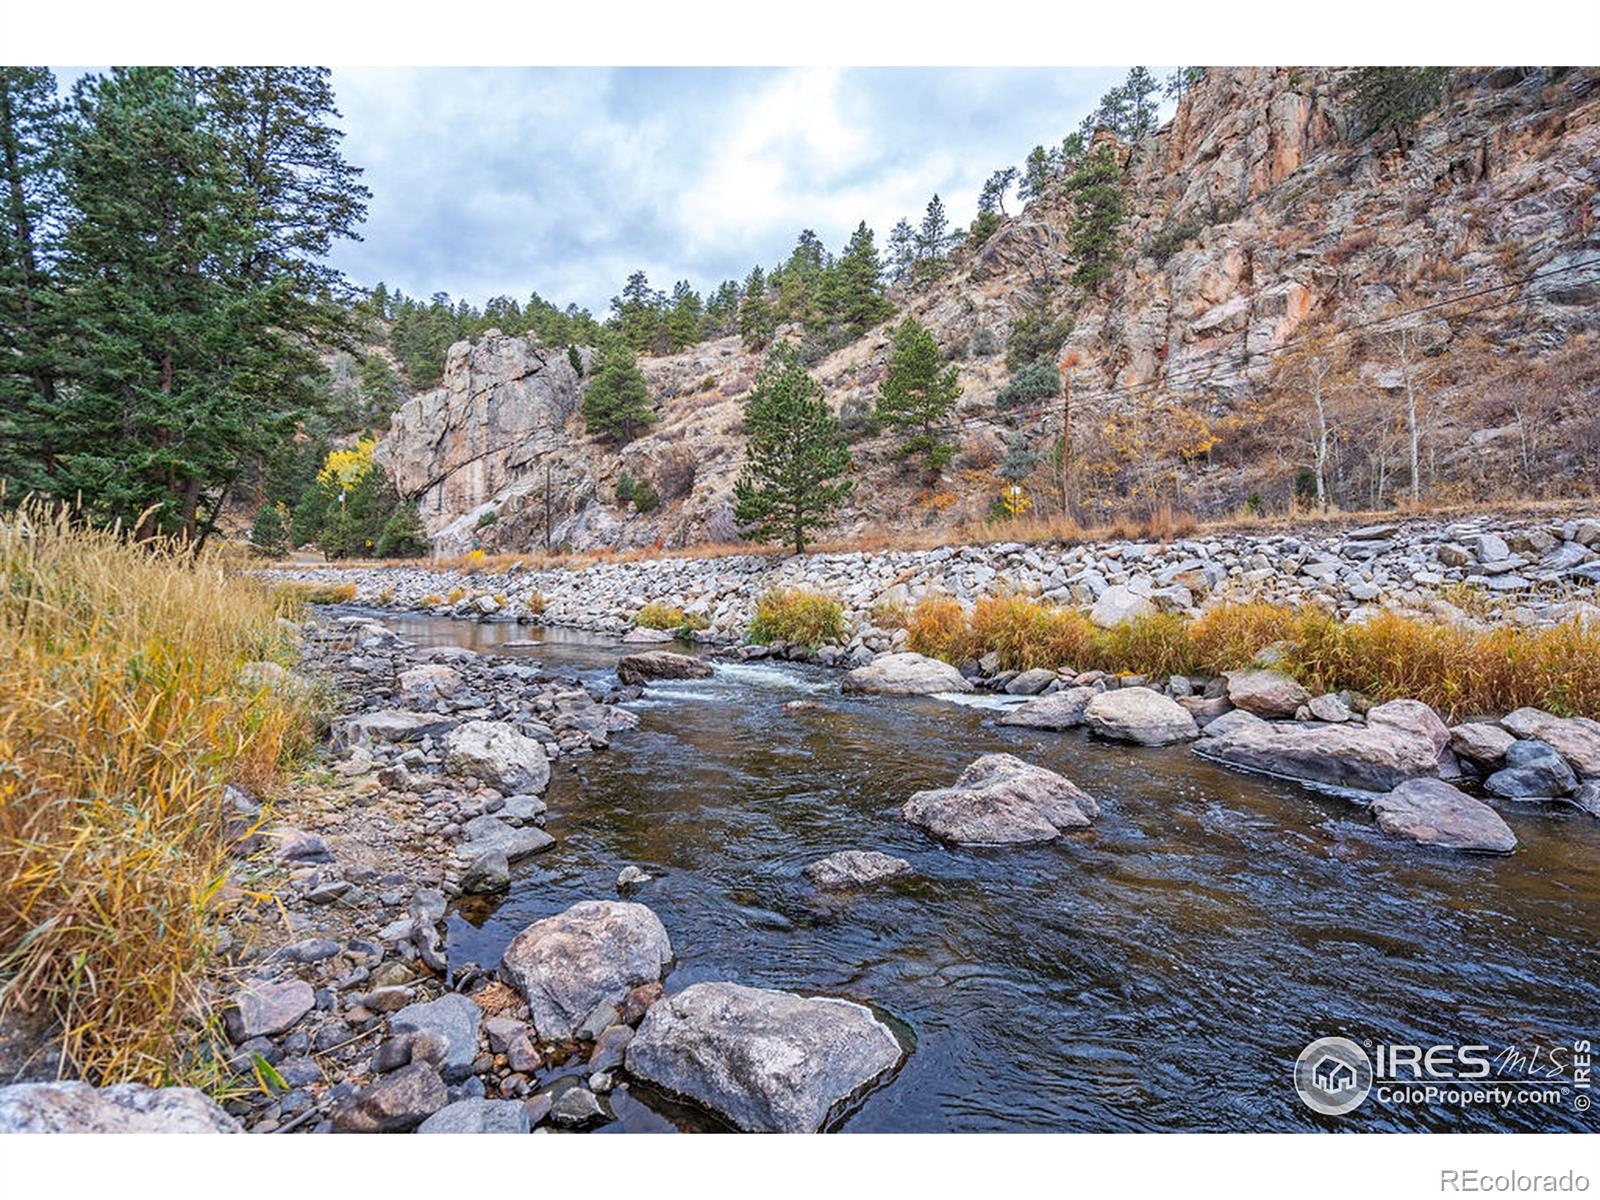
(855, 868)
(567, 965)
(578, 1108)
(905, 674)
(1374, 758)
(1117, 605)
(387, 725)
(394, 1103)
(488, 835)
(661, 664)
(1141, 715)
(1532, 770)
(477, 1115)
(1480, 742)
(75, 1107)
(1576, 739)
(639, 635)
(1433, 813)
(999, 800)
(262, 1008)
(1265, 693)
(1030, 683)
(487, 874)
(768, 1061)
(452, 1017)
(495, 753)
(1058, 710)
(428, 683)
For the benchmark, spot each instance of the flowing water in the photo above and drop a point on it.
(1161, 971)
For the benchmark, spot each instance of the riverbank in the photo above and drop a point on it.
(1527, 572)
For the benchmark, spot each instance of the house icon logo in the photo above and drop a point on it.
(1333, 1075)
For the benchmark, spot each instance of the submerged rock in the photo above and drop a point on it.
(1432, 813)
(495, 753)
(594, 953)
(768, 1061)
(1059, 710)
(999, 800)
(855, 868)
(905, 675)
(661, 664)
(73, 1107)
(1138, 714)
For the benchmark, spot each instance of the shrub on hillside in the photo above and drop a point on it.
(1033, 382)
(798, 616)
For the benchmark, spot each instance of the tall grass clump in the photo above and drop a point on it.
(1459, 670)
(799, 616)
(660, 615)
(123, 714)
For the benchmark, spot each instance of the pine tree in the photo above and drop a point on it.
(795, 454)
(722, 310)
(403, 535)
(1394, 99)
(902, 251)
(1139, 91)
(916, 394)
(757, 321)
(933, 238)
(855, 297)
(268, 537)
(684, 317)
(637, 314)
(1097, 208)
(1036, 174)
(617, 401)
(993, 196)
(29, 193)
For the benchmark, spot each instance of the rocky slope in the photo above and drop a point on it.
(1257, 221)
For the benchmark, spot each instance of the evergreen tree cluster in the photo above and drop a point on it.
(163, 284)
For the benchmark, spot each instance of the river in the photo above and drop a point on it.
(1159, 972)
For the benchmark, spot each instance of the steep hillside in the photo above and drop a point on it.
(1262, 238)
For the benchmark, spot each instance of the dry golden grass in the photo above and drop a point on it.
(798, 616)
(659, 615)
(1459, 671)
(122, 715)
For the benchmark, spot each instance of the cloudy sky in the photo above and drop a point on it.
(506, 180)
(564, 180)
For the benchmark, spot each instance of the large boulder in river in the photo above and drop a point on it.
(594, 953)
(1376, 758)
(495, 753)
(1533, 769)
(1058, 710)
(1411, 718)
(1432, 813)
(661, 664)
(999, 800)
(1265, 693)
(768, 1061)
(905, 674)
(1140, 714)
(73, 1107)
(855, 868)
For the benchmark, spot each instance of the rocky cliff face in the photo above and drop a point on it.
(1256, 220)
